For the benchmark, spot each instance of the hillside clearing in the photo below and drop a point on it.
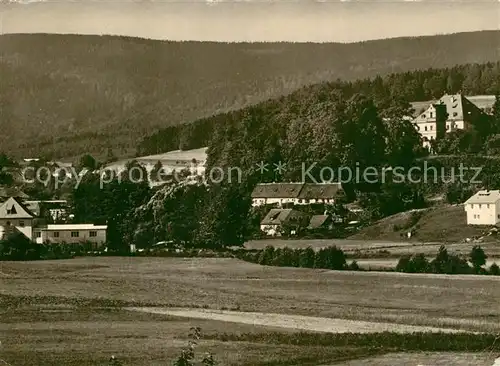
(445, 224)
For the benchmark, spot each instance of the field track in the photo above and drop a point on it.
(306, 323)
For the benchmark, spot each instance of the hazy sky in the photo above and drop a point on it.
(302, 20)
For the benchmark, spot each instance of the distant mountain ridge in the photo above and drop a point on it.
(63, 95)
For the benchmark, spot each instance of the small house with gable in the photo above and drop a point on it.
(483, 208)
(279, 220)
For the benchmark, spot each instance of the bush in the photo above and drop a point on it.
(307, 257)
(266, 256)
(416, 263)
(494, 270)
(477, 258)
(330, 258)
(353, 266)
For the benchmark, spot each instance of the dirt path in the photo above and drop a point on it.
(308, 323)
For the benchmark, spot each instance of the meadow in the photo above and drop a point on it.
(71, 312)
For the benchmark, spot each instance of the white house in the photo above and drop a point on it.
(15, 216)
(71, 234)
(483, 208)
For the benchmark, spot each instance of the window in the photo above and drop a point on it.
(12, 210)
(455, 114)
(93, 234)
(7, 223)
(488, 205)
(423, 116)
(75, 234)
(425, 128)
(447, 127)
(431, 115)
(432, 127)
(21, 223)
(56, 234)
(479, 206)
(38, 234)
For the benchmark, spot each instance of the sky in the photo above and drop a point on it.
(250, 20)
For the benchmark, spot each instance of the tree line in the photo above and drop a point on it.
(334, 258)
(419, 85)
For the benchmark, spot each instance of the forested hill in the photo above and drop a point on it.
(63, 95)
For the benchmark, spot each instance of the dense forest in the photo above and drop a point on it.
(64, 95)
(418, 85)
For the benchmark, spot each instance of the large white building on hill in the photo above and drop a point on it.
(462, 114)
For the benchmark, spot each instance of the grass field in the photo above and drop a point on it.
(54, 323)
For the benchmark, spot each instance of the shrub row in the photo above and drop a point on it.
(334, 258)
(388, 341)
(326, 258)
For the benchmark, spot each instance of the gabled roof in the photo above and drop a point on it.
(5, 231)
(320, 191)
(278, 216)
(458, 108)
(6, 192)
(317, 221)
(277, 190)
(484, 197)
(13, 209)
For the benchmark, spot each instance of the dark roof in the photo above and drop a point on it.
(317, 221)
(320, 191)
(278, 216)
(7, 192)
(277, 190)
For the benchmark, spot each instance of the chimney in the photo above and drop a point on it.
(441, 117)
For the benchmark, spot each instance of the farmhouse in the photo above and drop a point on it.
(276, 193)
(279, 220)
(295, 193)
(16, 216)
(460, 114)
(483, 208)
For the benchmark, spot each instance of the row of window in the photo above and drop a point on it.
(478, 216)
(431, 128)
(21, 223)
(431, 115)
(480, 205)
(74, 234)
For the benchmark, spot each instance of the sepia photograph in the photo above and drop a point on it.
(250, 182)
